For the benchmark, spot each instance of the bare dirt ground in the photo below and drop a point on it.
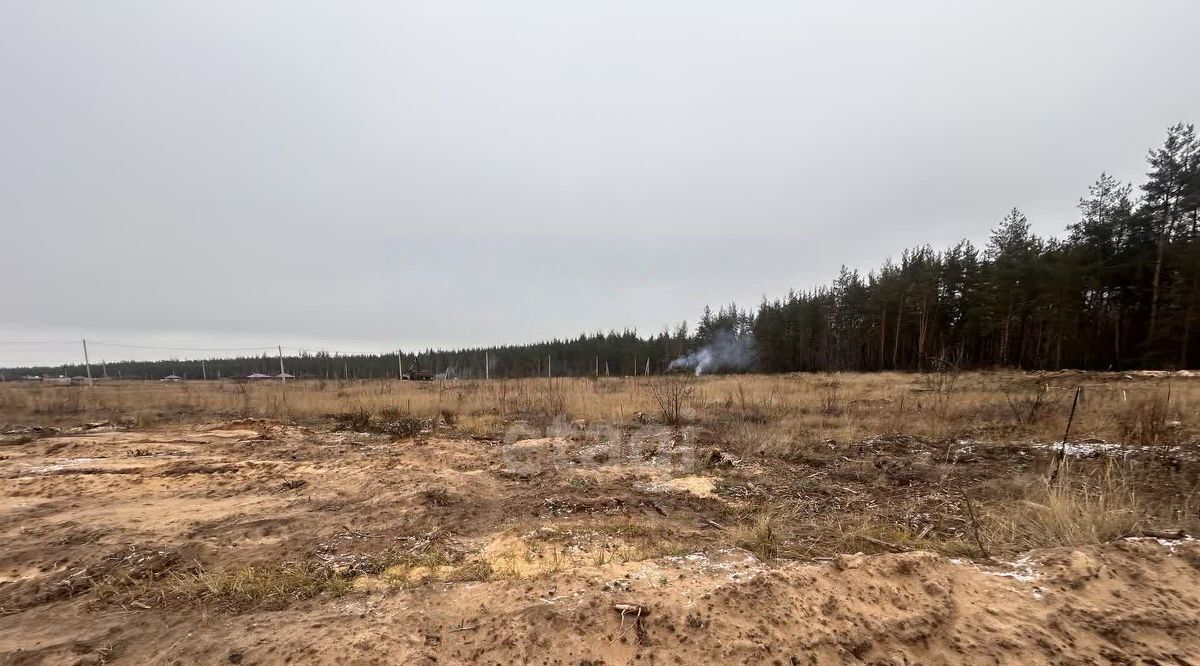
(260, 542)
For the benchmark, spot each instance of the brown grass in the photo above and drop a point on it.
(1071, 510)
(759, 534)
(789, 408)
(264, 586)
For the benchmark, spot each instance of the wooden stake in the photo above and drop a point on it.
(1062, 448)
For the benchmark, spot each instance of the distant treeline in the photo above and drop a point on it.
(612, 353)
(1121, 290)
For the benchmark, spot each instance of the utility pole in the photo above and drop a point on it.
(597, 366)
(104, 368)
(400, 363)
(487, 372)
(647, 366)
(282, 378)
(548, 373)
(203, 370)
(87, 363)
(606, 369)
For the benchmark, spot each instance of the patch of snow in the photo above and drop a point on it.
(66, 463)
(1021, 570)
(1097, 448)
(1169, 544)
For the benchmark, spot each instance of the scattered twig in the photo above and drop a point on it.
(636, 609)
(355, 534)
(638, 612)
(886, 545)
(654, 505)
(974, 523)
(757, 490)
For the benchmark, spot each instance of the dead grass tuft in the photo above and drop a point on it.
(228, 590)
(1070, 510)
(759, 535)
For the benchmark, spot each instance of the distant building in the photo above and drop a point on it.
(172, 378)
(258, 375)
(284, 375)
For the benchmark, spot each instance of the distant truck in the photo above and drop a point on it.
(418, 376)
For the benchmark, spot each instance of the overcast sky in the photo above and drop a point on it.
(367, 175)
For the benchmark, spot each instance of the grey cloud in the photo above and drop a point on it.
(463, 173)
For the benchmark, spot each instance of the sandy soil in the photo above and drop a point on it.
(548, 550)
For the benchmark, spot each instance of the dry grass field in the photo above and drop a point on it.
(603, 521)
(1142, 409)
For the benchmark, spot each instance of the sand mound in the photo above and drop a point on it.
(1116, 603)
(181, 546)
(1125, 602)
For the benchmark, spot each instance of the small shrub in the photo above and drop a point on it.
(403, 426)
(1143, 422)
(670, 393)
(1027, 407)
(831, 401)
(358, 420)
(439, 497)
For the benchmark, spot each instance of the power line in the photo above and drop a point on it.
(264, 348)
(127, 346)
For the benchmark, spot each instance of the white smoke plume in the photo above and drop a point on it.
(726, 352)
